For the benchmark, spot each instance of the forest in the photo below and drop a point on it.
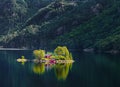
(77, 24)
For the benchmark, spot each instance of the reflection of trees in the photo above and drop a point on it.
(62, 70)
(39, 68)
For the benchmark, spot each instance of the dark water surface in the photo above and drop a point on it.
(89, 70)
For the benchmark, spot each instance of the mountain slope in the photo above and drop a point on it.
(52, 21)
(101, 33)
(90, 24)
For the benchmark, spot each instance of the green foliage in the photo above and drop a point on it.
(91, 24)
(101, 32)
(39, 54)
(51, 22)
(62, 53)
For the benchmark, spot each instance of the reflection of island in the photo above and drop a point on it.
(39, 68)
(61, 69)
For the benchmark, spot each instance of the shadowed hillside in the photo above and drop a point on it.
(77, 24)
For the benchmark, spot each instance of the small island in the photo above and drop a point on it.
(60, 55)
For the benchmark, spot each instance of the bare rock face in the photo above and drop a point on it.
(60, 30)
(97, 8)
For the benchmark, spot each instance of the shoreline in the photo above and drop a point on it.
(13, 49)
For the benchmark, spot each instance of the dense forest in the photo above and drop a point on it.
(78, 24)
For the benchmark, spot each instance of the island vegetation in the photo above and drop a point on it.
(60, 55)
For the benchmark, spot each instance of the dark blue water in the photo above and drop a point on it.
(89, 70)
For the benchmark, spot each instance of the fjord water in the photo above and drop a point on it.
(88, 70)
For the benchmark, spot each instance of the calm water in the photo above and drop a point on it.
(89, 70)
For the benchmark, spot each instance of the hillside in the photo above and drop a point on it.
(51, 21)
(101, 32)
(79, 24)
(13, 13)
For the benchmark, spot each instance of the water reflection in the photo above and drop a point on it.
(61, 70)
(38, 68)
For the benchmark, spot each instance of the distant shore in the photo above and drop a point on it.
(14, 49)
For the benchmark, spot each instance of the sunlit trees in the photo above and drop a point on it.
(62, 53)
(39, 54)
